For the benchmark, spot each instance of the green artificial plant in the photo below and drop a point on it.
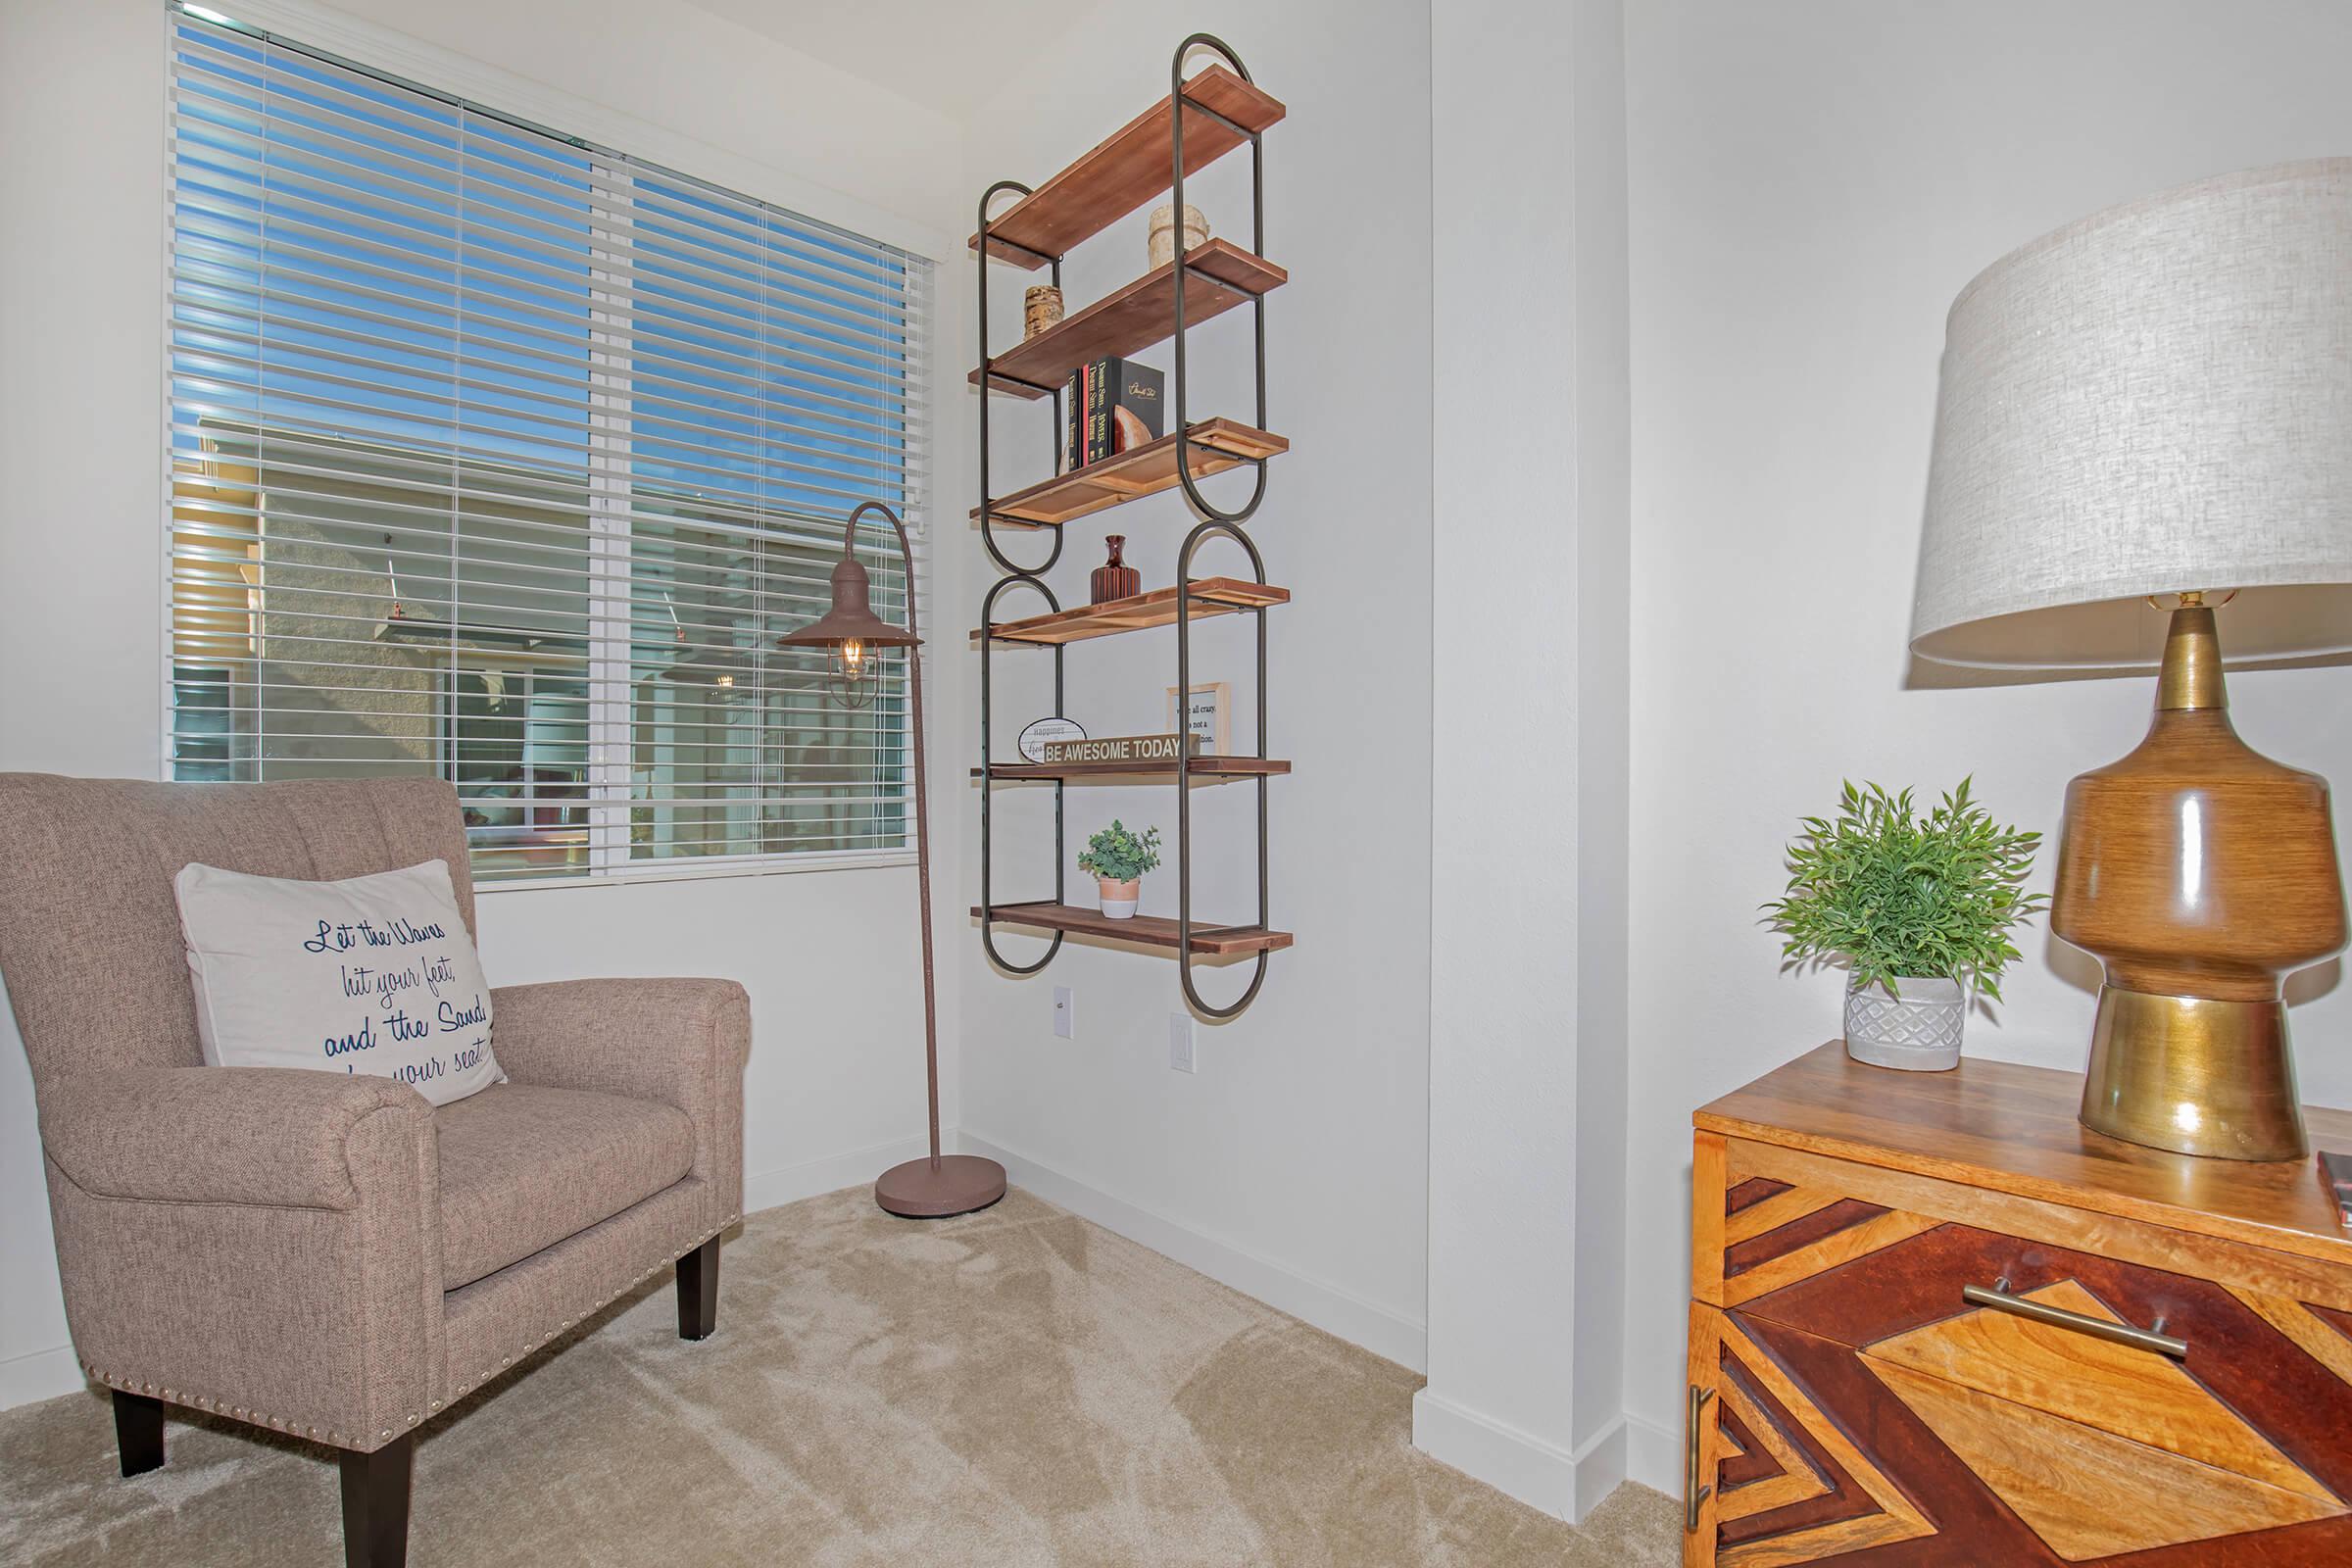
(1119, 855)
(1904, 897)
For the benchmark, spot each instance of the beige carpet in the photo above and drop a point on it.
(1011, 1388)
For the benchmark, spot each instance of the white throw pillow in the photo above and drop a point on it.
(373, 974)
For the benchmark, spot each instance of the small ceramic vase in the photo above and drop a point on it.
(1114, 578)
(1164, 231)
(1119, 899)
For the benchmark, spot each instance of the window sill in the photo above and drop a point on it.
(782, 866)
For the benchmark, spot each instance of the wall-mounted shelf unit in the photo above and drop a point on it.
(1145, 930)
(1217, 277)
(1204, 117)
(1213, 446)
(1203, 770)
(1209, 596)
(1132, 166)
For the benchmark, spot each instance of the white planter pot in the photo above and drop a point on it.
(1119, 899)
(1917, 1031)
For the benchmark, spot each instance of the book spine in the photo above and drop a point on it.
(1073, 419)
(1102, 377)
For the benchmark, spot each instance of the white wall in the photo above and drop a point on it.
(835, 1091)
(1811, 185)
(1526, 1036)
(1293, 1158)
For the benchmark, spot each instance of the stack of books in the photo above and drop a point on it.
(1110, 406)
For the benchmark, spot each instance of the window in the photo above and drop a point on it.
(503, 458)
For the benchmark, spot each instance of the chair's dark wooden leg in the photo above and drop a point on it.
(140, 1432)
(376, 1504)
(698, 1291)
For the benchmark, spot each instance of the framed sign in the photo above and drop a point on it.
(1035, 737)
(1208, 715)
(1122, 749)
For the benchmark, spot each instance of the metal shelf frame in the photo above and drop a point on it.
(1213, 524)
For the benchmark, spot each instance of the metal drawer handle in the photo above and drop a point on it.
(1695, 1495)
(2058, 1317)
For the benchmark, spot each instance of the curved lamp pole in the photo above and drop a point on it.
(850, 632)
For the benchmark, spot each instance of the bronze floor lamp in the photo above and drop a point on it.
(850, 632)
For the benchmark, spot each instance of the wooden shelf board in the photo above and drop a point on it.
(1126, 169)
(1147, 930)
(1211, 596)
(1205, 770)
(1216, 445)
(1220, 275)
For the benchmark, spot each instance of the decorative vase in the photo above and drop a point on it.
(1119, 899)
(1041, 308)
(1917, 1031)
(1114, 578)
(1164, 231)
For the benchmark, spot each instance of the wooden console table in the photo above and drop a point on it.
(1938, 1323)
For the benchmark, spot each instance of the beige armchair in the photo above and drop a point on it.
(312, 1252)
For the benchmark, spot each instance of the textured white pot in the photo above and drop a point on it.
(1917, 1031)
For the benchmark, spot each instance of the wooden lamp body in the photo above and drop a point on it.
(2200, 873)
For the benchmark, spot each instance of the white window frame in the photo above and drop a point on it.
(407, 59)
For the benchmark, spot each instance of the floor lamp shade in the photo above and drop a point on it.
(2153, 399)
(2157, 401)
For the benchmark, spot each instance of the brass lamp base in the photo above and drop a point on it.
(2200, 872)
(2194, 1075)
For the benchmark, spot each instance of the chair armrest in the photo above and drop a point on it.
(682, 1043)
(280, 1137)
(264, 1243)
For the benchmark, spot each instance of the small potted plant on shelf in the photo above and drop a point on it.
(1118, 861)
(1919, 908)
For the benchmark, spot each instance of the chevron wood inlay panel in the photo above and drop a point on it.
(2124, 1391)
(2086, 1494)
(1863, 1413)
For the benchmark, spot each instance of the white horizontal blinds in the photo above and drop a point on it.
(505, 459)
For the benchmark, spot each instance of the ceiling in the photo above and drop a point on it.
(967, 47)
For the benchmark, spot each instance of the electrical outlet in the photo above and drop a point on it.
(1065, 1013)
(1180, 1041)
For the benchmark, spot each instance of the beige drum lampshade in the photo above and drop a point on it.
(2157, 398)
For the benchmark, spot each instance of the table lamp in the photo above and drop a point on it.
(2153, 408)
(851, 634)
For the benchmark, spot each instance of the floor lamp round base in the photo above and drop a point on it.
(934, 1189)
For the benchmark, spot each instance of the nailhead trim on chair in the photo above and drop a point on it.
(259, 1418)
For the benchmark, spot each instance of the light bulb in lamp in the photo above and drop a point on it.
(853, 637)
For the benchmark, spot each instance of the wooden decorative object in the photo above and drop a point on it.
(1935, 1320)
(1041, 308)
(2200, 872)
(1159, 234)
(1113, 580)
(1205, 709)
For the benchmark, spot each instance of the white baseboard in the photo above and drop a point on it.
(816, 1177)
(1325, 1305)
(1654, 1457)
(1537, 1473)
(39, 1375)
(1567, 1485)
(1600, 1468)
